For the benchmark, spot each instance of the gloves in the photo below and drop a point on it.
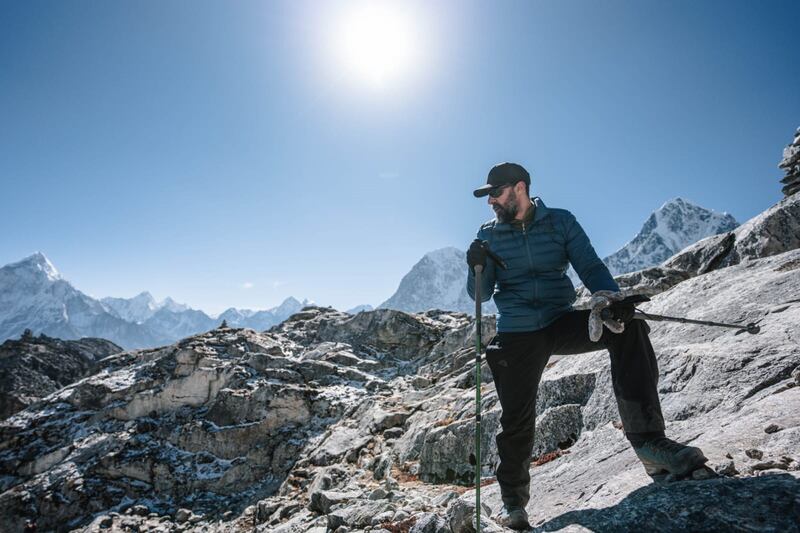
(599, 301)
(623, 312)
(476, 255)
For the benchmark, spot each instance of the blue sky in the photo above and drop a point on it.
(224, 154)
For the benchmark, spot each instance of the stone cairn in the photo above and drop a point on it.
(790, 164)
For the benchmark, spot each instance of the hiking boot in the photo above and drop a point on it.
(663, 456)
(513, 517)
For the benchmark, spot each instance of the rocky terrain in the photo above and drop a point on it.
(790, 164)
(33, 367)
(335, 422)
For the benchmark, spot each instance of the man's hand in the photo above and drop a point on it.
(599, 301)
(622, 311)
(477, 253)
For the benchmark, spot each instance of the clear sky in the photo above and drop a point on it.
(236, 153)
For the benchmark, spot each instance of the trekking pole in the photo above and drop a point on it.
(751, 328)
(478, 271)
(638, 314)
(478, 329)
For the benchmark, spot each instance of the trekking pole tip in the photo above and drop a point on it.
(752, 328)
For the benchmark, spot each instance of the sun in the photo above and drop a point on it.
(377, 44)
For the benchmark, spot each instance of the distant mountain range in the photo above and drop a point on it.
(359, 308)
(34, 296)
(438, 280)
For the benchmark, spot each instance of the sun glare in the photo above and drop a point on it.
(377, 43)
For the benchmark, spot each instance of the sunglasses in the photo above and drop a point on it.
(497, 191)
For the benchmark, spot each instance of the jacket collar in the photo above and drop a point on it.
(539, 212)
(541, 209)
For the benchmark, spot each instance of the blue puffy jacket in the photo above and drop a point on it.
(535, 290)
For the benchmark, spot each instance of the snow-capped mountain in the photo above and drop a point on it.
(136, 309)
(173, 306)
(34, 296)
(671, 228)
(437, 281)
(261, 320)
(179, 324)
(167, 318)
(358, 309)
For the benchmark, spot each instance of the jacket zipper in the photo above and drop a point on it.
(530, 263)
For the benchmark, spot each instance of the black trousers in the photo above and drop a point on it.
(517, 361)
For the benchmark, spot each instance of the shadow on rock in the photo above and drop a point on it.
(765, 503)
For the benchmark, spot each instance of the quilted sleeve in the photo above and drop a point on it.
(593, 272)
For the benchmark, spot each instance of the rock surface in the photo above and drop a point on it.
(33, 367)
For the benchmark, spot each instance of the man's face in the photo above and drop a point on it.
(505, 206)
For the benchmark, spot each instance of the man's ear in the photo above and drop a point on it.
(519, 188)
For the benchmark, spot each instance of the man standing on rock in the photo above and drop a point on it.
(534, 299)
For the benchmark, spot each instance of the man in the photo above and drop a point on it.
(534, 299)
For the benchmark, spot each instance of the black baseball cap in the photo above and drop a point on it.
(503, 174)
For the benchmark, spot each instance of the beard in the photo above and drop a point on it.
(506, 213)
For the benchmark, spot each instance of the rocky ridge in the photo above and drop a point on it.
(333, 422)
(790, 164)
(33, 367)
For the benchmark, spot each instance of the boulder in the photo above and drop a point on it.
(359, 514)
(322, 501)
(430, 523)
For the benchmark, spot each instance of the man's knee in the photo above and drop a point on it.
(517, 423)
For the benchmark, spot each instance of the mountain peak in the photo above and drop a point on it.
(445, 255)
(437, 281)
(38, 262)
(669, 229)
(171, 305)
(289, 306)
(146, 298)
(677, 201)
